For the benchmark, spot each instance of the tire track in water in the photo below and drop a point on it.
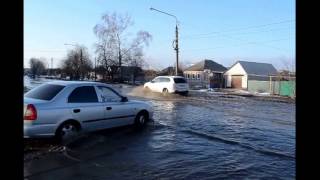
(227, 141)
(233, 142)
(75, 161)
(218, 98)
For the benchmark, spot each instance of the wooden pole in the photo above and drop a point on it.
(270, 85)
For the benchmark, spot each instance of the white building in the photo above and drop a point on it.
(238, 75)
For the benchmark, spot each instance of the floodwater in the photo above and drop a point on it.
(200, 136)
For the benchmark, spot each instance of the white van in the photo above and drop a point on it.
(168, 84)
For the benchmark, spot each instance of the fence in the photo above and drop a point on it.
(288, 88)
(277, 85)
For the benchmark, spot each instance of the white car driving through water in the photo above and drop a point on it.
(64, 108)
(168, 84)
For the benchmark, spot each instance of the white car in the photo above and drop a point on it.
(168, 84)
(64, 108)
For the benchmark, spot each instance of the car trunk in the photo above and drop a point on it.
(181, 85)
(27, 101)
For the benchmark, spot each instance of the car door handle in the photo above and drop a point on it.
(108, 108)
(76, 110)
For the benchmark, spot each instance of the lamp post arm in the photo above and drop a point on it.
(153, 9)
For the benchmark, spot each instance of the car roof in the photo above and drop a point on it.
(69, 83)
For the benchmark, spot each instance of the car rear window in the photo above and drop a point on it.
(179, 80)
(164, 80)
(44, 92)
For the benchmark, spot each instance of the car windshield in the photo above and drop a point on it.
(44, 92)
(179, 80)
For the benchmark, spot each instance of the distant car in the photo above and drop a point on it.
(64, 108)
(168, 84)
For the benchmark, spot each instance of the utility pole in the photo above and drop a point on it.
(81, 62)
(95, 67)
(176, 48)
(51, 66)
(120, 59)
(177, 51)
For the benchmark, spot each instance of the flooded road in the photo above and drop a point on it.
(200, 136)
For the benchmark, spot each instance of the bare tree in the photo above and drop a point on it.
(289, 65)
(37, 67)
(135, 59)
(107, 58)
(180, 69)
(77, 64)
(112, 47)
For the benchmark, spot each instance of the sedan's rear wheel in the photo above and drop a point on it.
(67, 132)
(141, 120)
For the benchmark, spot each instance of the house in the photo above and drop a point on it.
(239, 74)
(205, 74)
(149, 74)
(131, 73)
(169, 71)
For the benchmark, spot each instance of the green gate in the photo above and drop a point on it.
(287, 88)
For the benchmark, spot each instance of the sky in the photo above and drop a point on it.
(221, 30)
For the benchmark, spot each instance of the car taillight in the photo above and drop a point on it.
(31, 113)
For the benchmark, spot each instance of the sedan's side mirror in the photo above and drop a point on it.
(152, 81)
(124, 99)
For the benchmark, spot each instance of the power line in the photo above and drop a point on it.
(250, 42)
(164, 41)
(241, 33)
(238, 33)
(261, 43)
(45, 50)
(237, 29)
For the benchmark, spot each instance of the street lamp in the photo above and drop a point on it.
(81, 59)
(176, 48)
